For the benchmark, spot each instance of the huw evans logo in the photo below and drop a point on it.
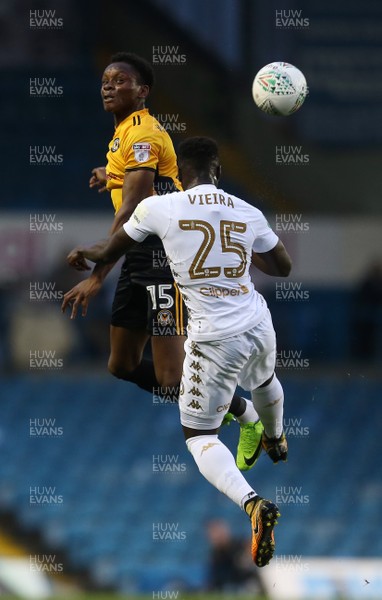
(291, 359)
(44, 291)
(45, 223)
(171, 122)
(291, 19)
(168, 532)
(45, 19)
(168, 55)
(45, 87)
(44, 495)
(165, 395)
(165, 594)
(44, 359)
(291, 563)
(291, 155)
(294, 427)
(45, 563)
(289, 222)
(291, 291)
(168, 463)
(44, 428)
(45, 156)
(291, 495)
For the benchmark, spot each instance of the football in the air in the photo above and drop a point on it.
(279, 89)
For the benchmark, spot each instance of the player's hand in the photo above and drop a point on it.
(80, 295)
(98, 179)
(76, 260)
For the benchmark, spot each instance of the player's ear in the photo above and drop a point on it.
(180, 174)
(144, 91)
(218, 172)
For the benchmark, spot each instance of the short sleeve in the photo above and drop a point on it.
(141, 150)
(151, 217)
(265, 237)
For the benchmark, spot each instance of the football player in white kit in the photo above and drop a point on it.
(211, 237)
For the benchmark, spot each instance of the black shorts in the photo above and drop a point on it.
(156, 307)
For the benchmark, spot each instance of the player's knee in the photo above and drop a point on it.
(119, 369)
(168, 379)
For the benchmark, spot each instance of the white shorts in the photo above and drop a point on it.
(212, 370)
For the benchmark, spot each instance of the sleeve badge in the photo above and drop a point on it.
(142, 152)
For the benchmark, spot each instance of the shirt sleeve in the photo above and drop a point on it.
(265, 237)
(151, 217)
(141, 150)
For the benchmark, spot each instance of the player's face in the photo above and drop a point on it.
(121, 93)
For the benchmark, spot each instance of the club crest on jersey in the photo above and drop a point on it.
(165, 318)
(115, 145)
(141, 152)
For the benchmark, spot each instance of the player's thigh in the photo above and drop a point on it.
(260, 365)
(168, 356)
(209, 381)
(126, 347)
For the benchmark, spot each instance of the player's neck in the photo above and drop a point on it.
(208, 180)
(121, 116)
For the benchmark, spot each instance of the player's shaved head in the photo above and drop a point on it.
(198, 161)
(199, 152)
(141, 66)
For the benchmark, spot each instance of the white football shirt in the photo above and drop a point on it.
(208, 236)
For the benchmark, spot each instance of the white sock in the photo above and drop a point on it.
(249, 415)
(269, 403)
(218, 466)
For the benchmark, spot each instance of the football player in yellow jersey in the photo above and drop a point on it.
(141, 160)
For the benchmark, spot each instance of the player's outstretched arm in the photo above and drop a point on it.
(103, 252)
(276, 262)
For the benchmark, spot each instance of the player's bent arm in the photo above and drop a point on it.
(276, 262)
(137, 185)
(108, 251)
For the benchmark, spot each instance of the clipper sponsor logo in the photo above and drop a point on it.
(222, 292)
(168, 56)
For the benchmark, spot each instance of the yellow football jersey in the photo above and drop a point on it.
(140, 142)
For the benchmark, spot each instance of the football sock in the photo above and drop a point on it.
(218, 466)
(249, 415)
(269, 403)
